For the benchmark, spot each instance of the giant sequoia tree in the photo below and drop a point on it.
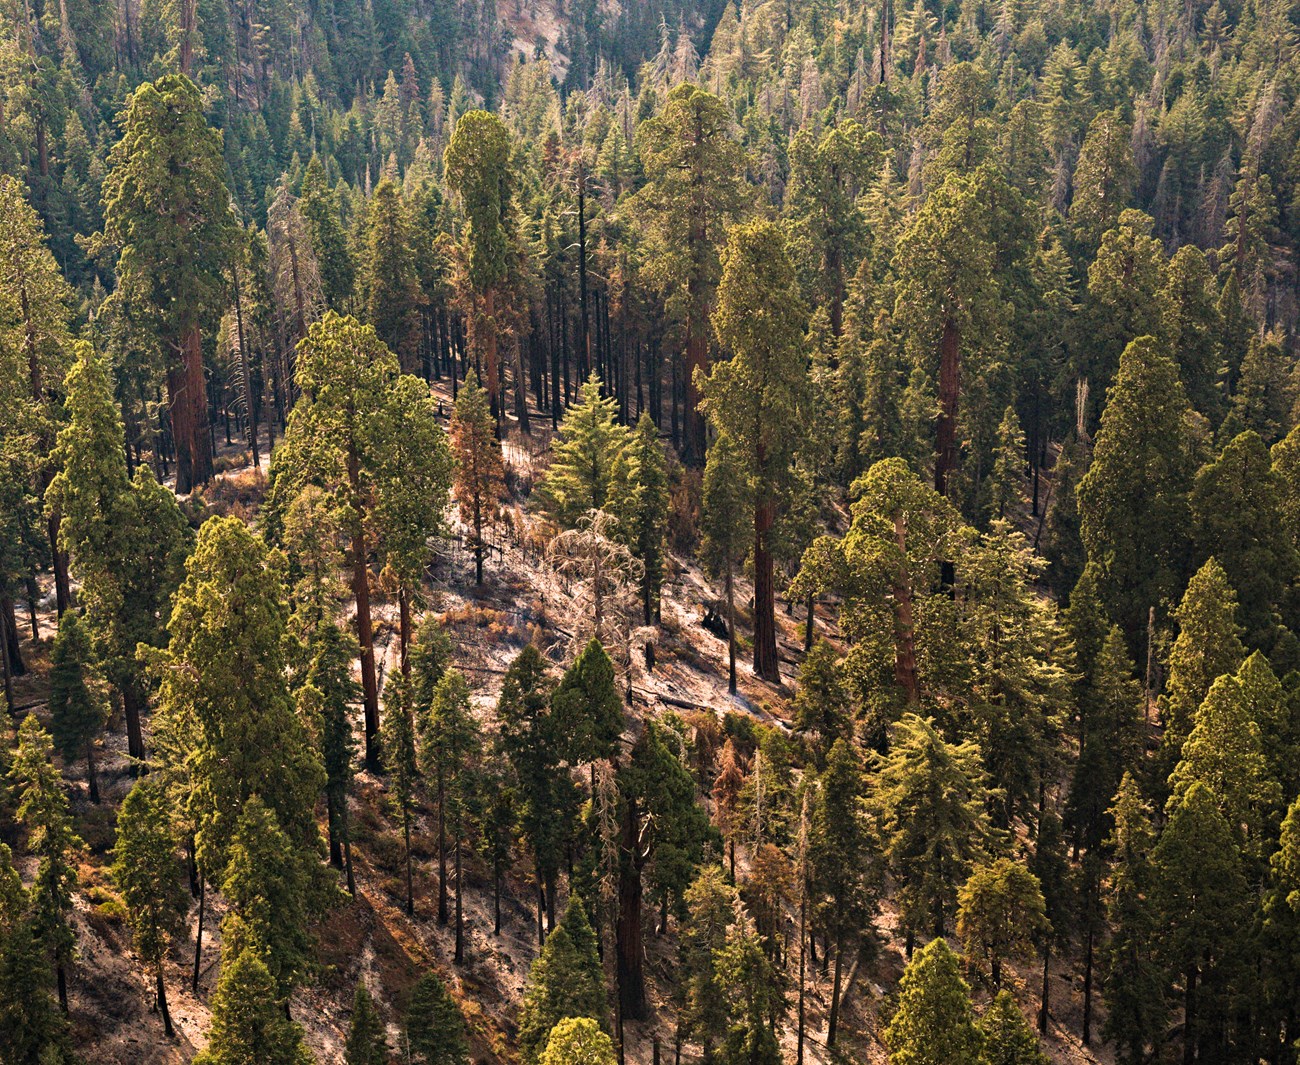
(167, 209)
(693, 189)
(759, 396)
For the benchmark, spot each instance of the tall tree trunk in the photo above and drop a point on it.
(1086, 1036)
(132, 700)
(697, 358)
(765, 660)
(91, 780)
(731, 630)
(1190, 1018)
(629, 960)
(198, 935)
(188, 406)
(803, 955)
(442, 849)
(832, 1029)
(59, 557)
(459, 957)
(945, 451)
(250, 408)
(168, 1031)
(404, 629)
(12, 648)
(410, 880)
(490, 352)
(365, 635)
(1044, 1009)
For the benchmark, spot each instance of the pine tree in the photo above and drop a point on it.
(413, 483)
(479, 479)
(1132, 982)
(1264, 391)
(934, 1023)
(434, 1030)
(43, 810)
(398, 740)
(1281, 928)
(693, 189)
(529, 741)
(758, 398)
(1208, 645)
(823, 706)
(367, 1043)
(388, 275)
(751, 989)
(642, 507)
(1000, 913)
(147, 871)
(449, 744)
(724, 522)
(1111, 741)
(77, 712)
(478, 171)
(1103, 182)
(127, 537)
(269, 885)
(1225, 752)
(711, 905)
(32, 1029)
(585, 458)
(167, 209)
(1133, 500)
(935, 826)
(338, 438)
(578, 1041)
(846, 866)
(248, 1024)
(326, 697)
(566, 980)
(587, 709)
(320, 210)
(1199, 895)
(1007, 1038)
(1189, 318)
(1008, 465)
(1237, 520)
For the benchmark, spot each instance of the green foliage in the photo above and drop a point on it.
(1133, 503)
(586, 707)
(248, 1022)
(269, 883)
(477, 168)
(933, 806)
(934, 1023)
(585, 459)
(51, 839)
(642, 507)
(77, 711)
(1000, 913)
(578, 1041)
(147, 870)
(367, 1043)
(230, 725)
(33, 1030)
(566, 980)
(434, 1030)
(1007, 1037)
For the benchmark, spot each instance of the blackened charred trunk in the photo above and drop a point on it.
(629, 960)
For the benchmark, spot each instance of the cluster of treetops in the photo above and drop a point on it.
(899, 261)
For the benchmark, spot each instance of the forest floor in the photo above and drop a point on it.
(521, 599)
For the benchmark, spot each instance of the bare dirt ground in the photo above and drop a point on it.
(370, 936)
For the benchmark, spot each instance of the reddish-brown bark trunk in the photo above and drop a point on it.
(904, 631)
(188, 403)
(765, 661)
(945, 448)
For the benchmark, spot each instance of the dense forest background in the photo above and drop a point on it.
(580, 531)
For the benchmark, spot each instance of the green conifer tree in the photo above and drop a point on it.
(585, 458)
(1006, 1036)
(566, 980)
(367, 1043)
(147, 871)
(43, 810)
(248, 1023)
(434, 1029)
(77, 712)
(934, 1023)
